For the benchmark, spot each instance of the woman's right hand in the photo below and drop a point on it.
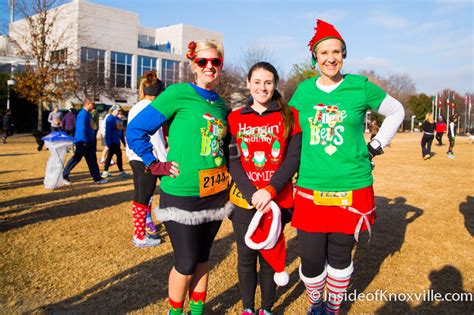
(261, 200)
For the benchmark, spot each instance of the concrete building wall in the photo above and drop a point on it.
(82, 23)
(107, 28)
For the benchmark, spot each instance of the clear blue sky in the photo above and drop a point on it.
(431, 41)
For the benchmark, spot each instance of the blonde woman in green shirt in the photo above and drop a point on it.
(194, 180)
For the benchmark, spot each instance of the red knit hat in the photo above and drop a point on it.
(264, 234)
(324, 31)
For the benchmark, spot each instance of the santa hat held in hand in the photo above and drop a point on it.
(264, 234)
(324, 31)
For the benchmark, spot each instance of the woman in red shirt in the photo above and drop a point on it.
(264, 155)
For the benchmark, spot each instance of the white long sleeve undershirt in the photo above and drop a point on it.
(394, 114)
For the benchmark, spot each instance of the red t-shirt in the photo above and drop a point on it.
(263, 147)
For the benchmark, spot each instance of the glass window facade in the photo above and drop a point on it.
(187, 73)
(59, 56)
(148, 42)
(145, 64)
(121, 69)
(169, 71)
(95, 59)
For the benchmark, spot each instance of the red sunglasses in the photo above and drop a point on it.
(202, 62)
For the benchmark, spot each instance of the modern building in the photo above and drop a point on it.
(120, 49)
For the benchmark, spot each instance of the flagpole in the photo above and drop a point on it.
(12, 9)
(436, 101)
(452, 106)
(447, 111)
(433, 107)
(465, 113)
(469, 111)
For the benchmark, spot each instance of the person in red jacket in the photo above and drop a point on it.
(264, 154)
(440, 130)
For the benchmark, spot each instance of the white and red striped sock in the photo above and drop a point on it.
(314, 288)
(138, 215)
(337, 283)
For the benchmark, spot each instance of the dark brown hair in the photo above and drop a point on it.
(286, 113)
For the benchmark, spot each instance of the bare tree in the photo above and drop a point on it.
(299, 72)
(38, 37)
(253, 54)
(90, 82)
(400, 86)
(232, 87)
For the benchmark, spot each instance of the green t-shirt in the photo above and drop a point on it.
(334, 155)
(196, 135)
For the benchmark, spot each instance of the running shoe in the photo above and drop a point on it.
(316, 310)
(123, 174)
(101, 181)
(150, 230)
(146, 242)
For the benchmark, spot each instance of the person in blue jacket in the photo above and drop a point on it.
(85, 142)
(113, 136)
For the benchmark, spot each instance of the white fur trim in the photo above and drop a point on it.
(340, 273)
(281, 278)
(316, 279)
(192, 217)
(273, 234)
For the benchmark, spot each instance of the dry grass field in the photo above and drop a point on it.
(69, 250)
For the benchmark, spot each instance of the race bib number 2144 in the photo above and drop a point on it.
(213, 181)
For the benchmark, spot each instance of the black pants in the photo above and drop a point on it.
(426, 142)
(191, 243)
(88, 151)
(114, 149)
(451, 145)
(439, 137)
(247, 272)
(8, 133)
(144, 183)
(318, 248)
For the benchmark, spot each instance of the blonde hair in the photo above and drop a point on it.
(149, 78)
(429, 117)
(202, 45)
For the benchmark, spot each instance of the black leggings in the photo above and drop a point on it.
(191, 243)
(451, 144)
(439, 137)
(144, 183)
(426, 141)
(318, 248)
(247, 272)
(114, 149)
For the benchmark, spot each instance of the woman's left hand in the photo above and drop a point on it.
(261, 200)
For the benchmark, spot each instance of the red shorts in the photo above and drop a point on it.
(309, 217)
